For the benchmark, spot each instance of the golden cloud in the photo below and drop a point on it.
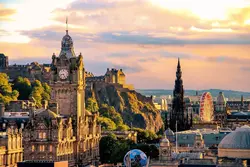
(5, 13)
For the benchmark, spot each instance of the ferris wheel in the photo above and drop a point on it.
(206, 107)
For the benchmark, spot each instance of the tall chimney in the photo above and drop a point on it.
(2, 109)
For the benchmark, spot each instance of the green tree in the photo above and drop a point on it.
(108, 145)
(122, 127)
(40, 92)
(110, 112)
(92, 105)
(6, 92)
(106, 123)
(145, 136)
(23, 86)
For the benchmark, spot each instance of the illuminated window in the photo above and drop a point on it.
(40, 135)
(33, 148)
(42, 148)
(50, 148)
(44, 135)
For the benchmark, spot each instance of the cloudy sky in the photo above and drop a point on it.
(143, 37)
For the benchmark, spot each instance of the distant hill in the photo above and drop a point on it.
(231, 94)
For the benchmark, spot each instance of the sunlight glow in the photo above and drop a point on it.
(212, 9)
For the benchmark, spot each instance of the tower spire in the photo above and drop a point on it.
(178, 66)
(67, 25)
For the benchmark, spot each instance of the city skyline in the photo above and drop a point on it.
(145, 42)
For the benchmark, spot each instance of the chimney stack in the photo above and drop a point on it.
(2, 109)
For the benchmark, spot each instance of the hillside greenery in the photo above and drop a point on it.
(23, 89)
(7, 94)
(124, 107)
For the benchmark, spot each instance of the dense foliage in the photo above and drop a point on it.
(27, 90)
(92, 105)
(6, 92)
(113, 150)
(40, 92)
(146, 136)
(110, 119)
(23, 86)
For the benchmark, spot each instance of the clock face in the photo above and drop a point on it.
(63, 74)
(164, 152)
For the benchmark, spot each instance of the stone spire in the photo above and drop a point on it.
(178, 113)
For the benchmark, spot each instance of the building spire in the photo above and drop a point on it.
(67, 25)
(178, 66)
(178, 72)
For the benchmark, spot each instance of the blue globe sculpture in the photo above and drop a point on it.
(135, 158)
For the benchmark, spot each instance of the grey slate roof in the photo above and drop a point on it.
(238, 139)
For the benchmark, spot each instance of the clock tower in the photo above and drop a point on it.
(165, 151)
(68, 80)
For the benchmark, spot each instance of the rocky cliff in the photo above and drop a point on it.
(133, 107)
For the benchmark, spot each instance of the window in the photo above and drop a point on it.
(50, 148)
(44, 135)
(42, 148)
(32, 148)
(22, 125)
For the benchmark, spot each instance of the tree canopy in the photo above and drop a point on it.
(6, 92)
(27, 90)
(40, 92)
(92, 105)
(23, 86)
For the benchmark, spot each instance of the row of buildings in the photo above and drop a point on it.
(204, 148)
(60, 131)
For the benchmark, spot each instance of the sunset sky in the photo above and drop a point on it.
(143, 37)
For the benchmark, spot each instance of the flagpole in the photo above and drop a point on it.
(67, 24)
(176, 136)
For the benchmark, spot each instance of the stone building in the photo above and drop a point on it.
(220, 114)
(112, 76)
(15, 114)
(234, 149)
(4, 61)
(31, 71)
(11, 149)
(64, 131)
(115, 76)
